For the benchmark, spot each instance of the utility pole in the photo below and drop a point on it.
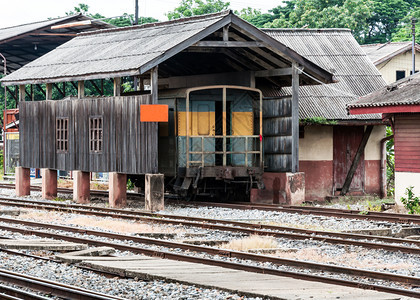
(136, 15)
(4, 114)
(136, 22)
(413, 47)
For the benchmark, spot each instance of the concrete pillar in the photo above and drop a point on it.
(117, 189)
(49, 184)
(154, 192)
(81, 187)
(23, 181)
(281, 188)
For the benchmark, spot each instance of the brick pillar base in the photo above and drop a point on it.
(154, 192)
(281, 188)
(81, 187)
(49, 184)
(117, 189)
(23, 181)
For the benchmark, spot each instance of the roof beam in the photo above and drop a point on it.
(261, 52)
(275, 72)
(72, 24)
(229, 44)
(187, 43)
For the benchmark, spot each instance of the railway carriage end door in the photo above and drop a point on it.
(201, 132)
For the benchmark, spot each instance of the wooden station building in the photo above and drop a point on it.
(217, 60)
(399, 104)
(22, 44)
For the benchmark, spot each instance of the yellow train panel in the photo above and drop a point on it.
(202, 123)
(242, 123)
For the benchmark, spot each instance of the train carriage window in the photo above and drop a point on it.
(62, 135)
(95, 134)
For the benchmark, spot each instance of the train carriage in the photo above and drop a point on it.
(223, 143)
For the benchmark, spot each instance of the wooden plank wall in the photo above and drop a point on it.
(128, 146)
(407, 142)
(277, 131)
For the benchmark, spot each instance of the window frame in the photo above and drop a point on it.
(62, 134)
(96, 134)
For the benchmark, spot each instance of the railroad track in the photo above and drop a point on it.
(310, 210)
(215, 254)
(44, 286)
(367, 241)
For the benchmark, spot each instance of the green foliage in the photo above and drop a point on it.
(385, 19)
(411, 202)
(371, 21)
(130, 185)
(351, 14)
(122, 21)
(189, 8)
(403, 32)
(317, 121)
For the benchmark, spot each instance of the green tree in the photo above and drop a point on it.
(403, 32)
(352, 14)
(122, 21)
(385, 19)
(189, 8)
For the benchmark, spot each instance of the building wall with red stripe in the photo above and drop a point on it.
(407, 142)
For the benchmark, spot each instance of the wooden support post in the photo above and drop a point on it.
(356, 159)
(48, 91)
(22, 92)
(295, 118)
(226, 33)
(80, 89)
(32, 93)
(141, 88)
(154, 192)
(154, 84)
(252, 80)
(117, 86)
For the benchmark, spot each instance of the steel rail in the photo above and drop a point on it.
(219, 252)
(51, 287)
(8, 292)
(320, 211)
(17, 253)
(348, 214)
(232, 226)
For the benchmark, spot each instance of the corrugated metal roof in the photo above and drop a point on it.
(15, 31)
(125, 50)
(337, 51)
(403, 92)
(9, 32)
(135, 50)
(379, 53)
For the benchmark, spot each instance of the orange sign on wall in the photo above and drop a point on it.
(153, 113)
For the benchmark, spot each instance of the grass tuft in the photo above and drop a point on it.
(251, 242)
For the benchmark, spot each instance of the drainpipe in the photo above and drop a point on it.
(5, 104)
(383, 165)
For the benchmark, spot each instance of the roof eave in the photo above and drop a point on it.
(92, 76)
(395, 53)
(384, 109)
